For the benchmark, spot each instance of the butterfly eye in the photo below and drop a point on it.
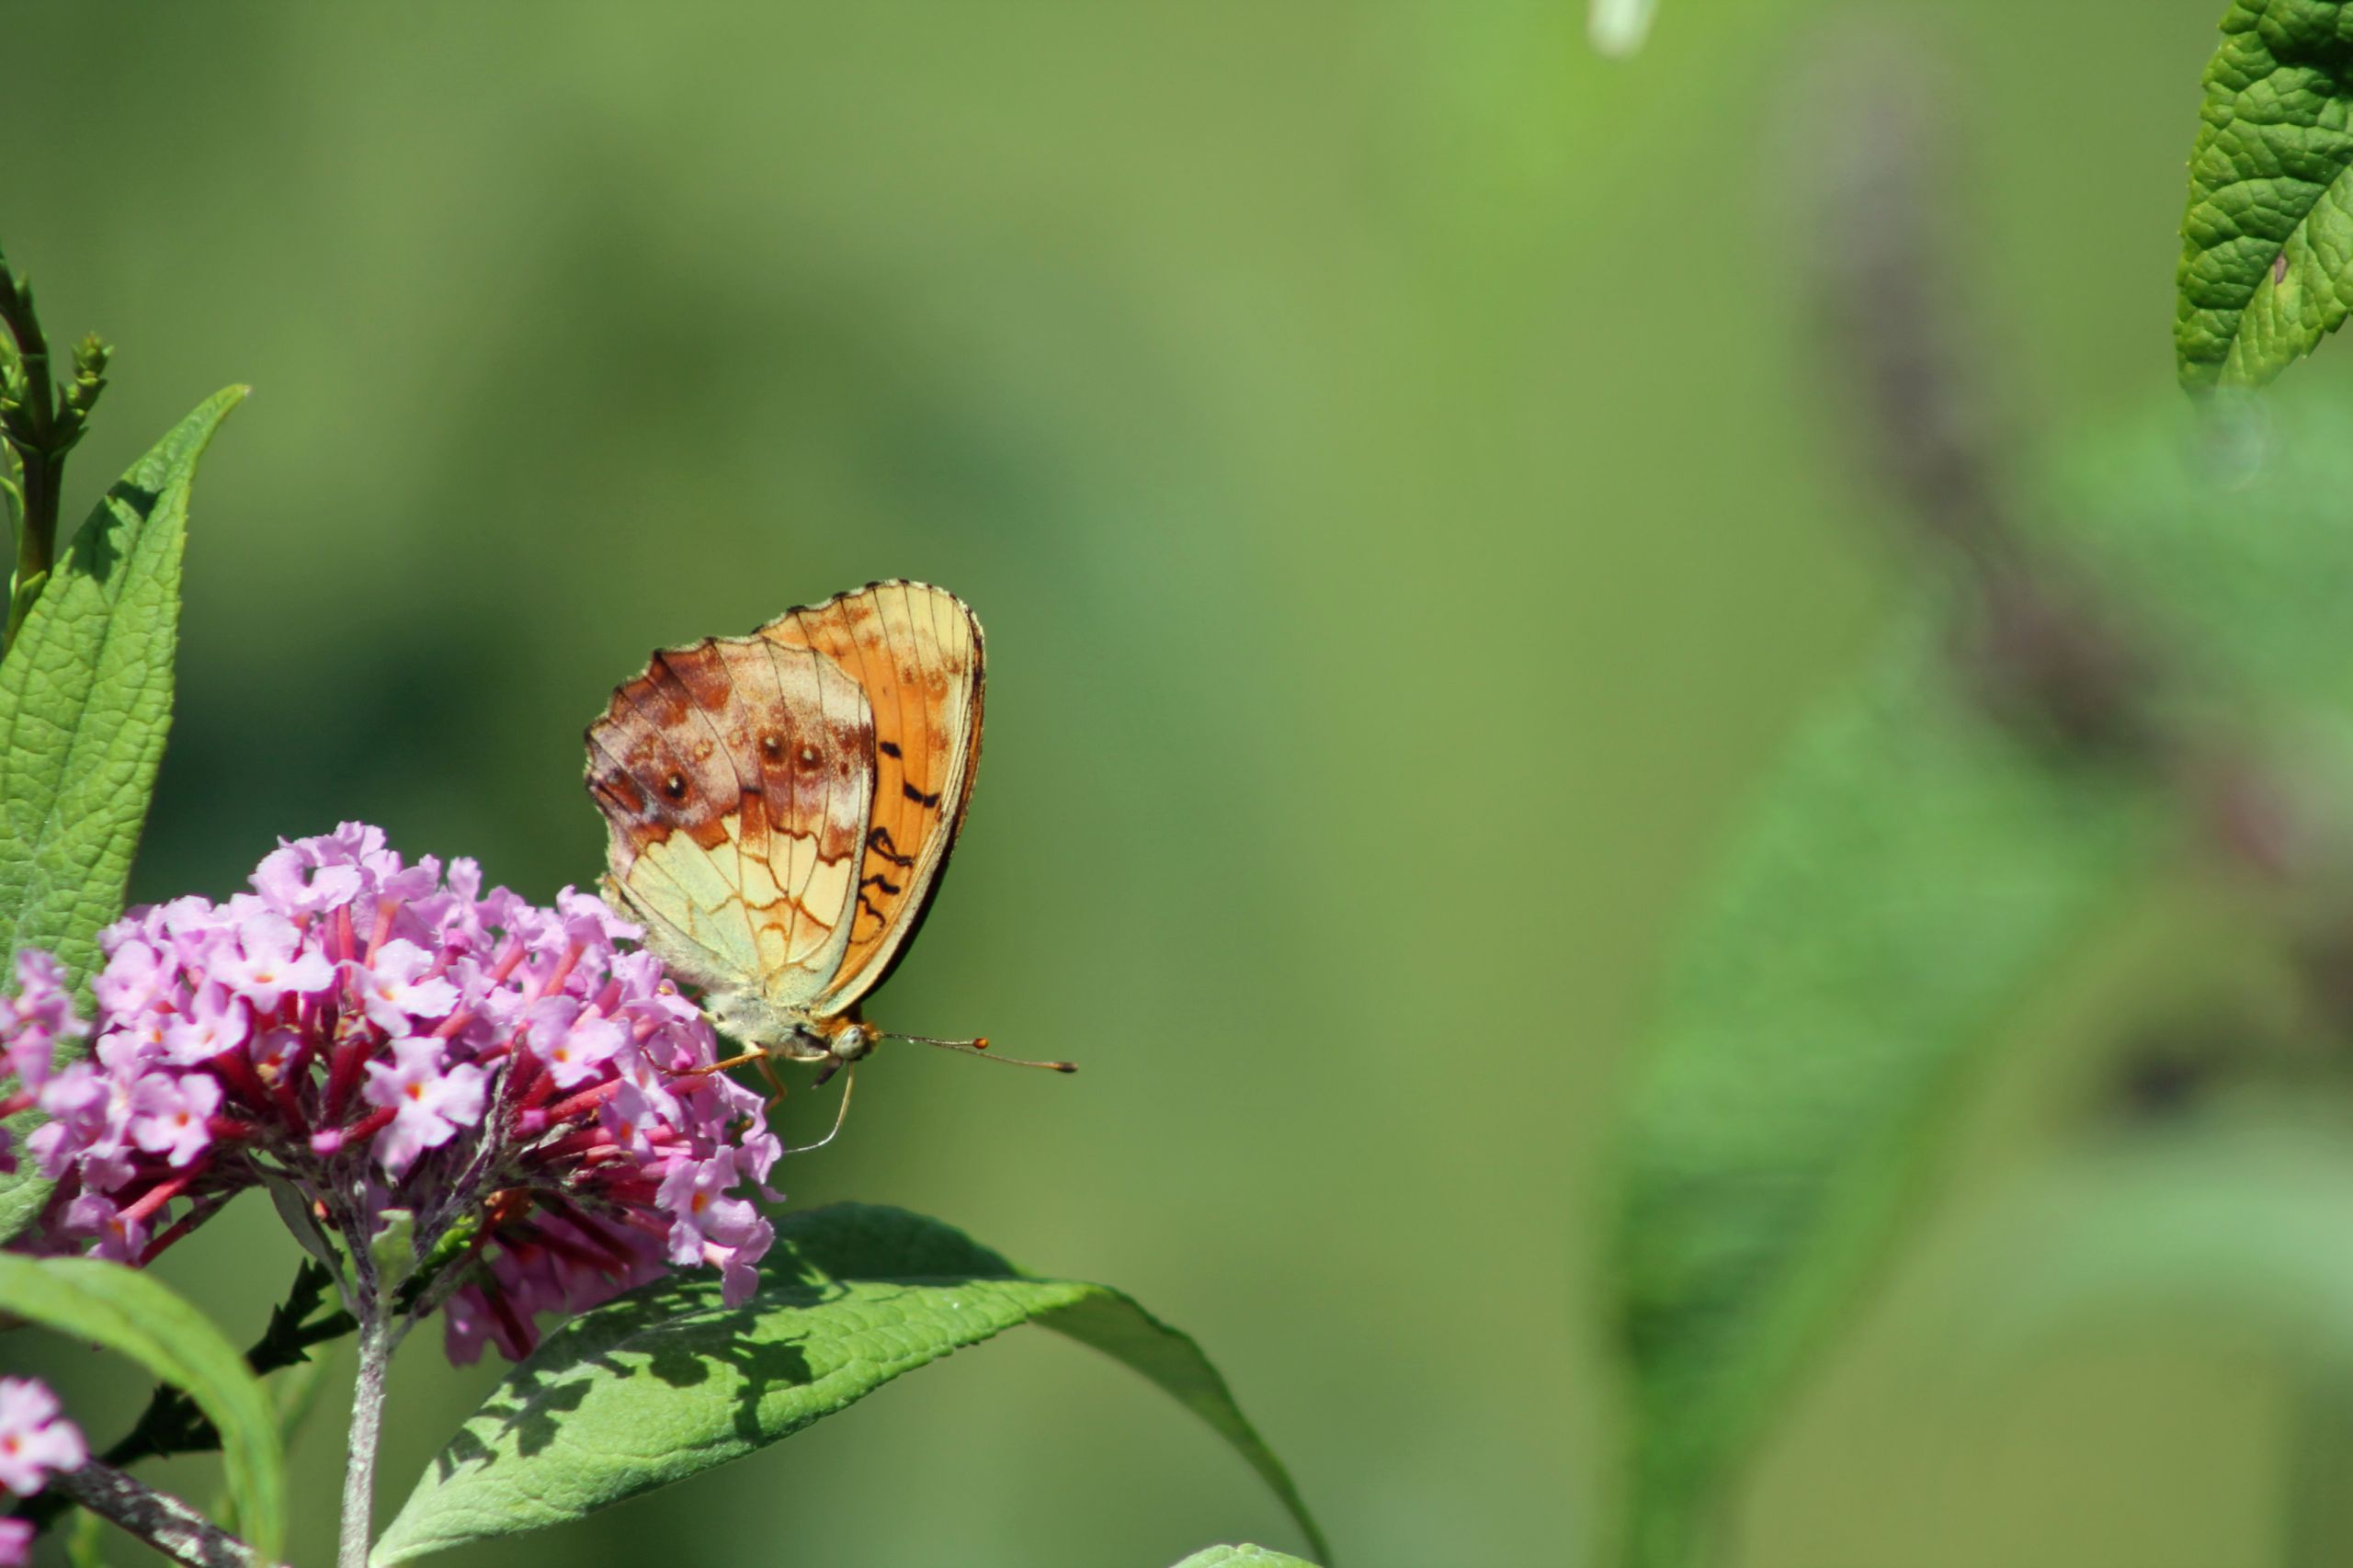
(674, 786)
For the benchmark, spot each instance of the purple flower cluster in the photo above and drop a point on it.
(367, 1036)
(35, 1443)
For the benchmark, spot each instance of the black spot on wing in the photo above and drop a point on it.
(883, 844)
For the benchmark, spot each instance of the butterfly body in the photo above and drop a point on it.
(780, 806)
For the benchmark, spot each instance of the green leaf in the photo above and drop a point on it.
(1912, 877)
(2267, 244)
(85, 698)
(1242, 1556)
(2240, 1222)
(2230, 531)
(2227, 1228)
(2247, 1224)
(130, 1312)
(23, 1191)
(1918, 890)
(666, 1382)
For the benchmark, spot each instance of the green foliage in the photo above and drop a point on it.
(2228, 537)
(40, 421)
(1917, 880)
(2267, 254)
(174, 1424)
(130, 1312)
(91, 357)
(23, 1192)
(1242, 1556)
(667, 1381)
(2244, 1222)
(85, 698)
(1912, 877)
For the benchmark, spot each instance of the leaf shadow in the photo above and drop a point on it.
(673, 1333)
(97, 546)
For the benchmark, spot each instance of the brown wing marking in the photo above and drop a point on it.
(679, 693)
(917, 651)
(734, 780)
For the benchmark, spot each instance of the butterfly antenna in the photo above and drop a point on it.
(981, 1048)
(841, 1114)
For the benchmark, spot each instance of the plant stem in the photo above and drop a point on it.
(163, 1521)
(39, 428)
(367, 1427)
(42, 456)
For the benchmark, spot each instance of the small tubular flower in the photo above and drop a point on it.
(36, 1441)
(364, 1036)
(430, 1100)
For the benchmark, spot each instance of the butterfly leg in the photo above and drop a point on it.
(768, 1071)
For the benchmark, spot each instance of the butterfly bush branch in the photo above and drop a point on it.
(40, 428)
(161, 1520)
(2040, 644)
(376, 1338)
(2046, 644)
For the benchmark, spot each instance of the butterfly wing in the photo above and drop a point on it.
(735, 778)
(916, 653)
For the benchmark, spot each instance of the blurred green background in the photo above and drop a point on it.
(1387, 446)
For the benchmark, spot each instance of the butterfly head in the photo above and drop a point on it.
(783, 1031)
(847, 1039)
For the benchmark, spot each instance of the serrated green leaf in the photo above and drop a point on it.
(1913, 875)
(85, 698)
(2267, 244)
(1242, 1556)
(667, 1381)
(134, 1314)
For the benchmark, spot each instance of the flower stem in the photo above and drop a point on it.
(367, 1427)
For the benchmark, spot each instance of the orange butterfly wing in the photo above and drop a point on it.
(917, 651)
(733, 775)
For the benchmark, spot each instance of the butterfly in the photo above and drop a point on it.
(781, 807)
